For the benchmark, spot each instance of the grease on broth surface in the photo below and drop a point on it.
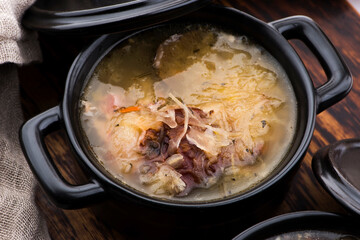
(190, 113)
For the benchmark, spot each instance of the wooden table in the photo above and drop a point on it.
(42, 87)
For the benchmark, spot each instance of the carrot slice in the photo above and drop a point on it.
(129, 109)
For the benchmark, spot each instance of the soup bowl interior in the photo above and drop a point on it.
(262, 34)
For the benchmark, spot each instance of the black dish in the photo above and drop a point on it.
(272, 37)
(302, 221)
(337, 168)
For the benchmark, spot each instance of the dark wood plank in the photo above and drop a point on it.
(42, 86)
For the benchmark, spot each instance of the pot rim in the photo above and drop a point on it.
(289, 52)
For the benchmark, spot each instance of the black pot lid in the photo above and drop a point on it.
(337, 168)
(93, 17)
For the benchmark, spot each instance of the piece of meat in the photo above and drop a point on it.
(154, 145)
(238, 154)
(164, 181)
(199, 160)
(191, 162)
(197, 170)
(174, 134)
(197, 117)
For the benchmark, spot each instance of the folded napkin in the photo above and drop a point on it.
(19, 215)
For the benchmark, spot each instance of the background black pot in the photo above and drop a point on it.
(272, 37)
(303, 221)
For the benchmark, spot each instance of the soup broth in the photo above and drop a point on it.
(191, 113)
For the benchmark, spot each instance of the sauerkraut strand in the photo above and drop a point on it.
(186, 117)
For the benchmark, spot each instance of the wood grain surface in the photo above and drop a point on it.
(42, 86)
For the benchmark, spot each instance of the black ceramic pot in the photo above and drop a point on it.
(273, 37)
(304, 221)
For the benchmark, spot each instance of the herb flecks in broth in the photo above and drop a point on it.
(199, 114)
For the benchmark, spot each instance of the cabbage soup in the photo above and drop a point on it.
(189, 113)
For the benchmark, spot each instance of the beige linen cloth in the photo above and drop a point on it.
(19, 215)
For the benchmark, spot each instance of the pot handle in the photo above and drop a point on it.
(339, 78)
(63, 194)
